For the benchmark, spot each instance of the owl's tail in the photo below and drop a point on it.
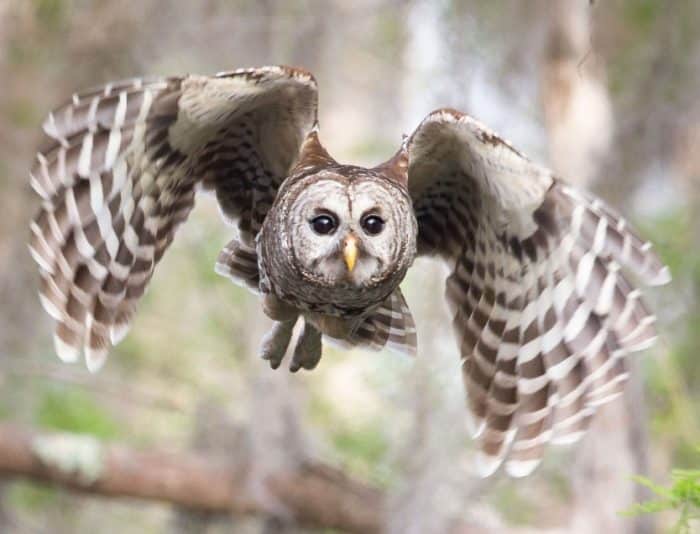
(239, 262)
(390, 326)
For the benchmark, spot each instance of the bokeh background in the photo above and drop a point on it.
(605, 92)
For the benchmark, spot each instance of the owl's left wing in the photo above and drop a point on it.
(542, 310)
(117, 176)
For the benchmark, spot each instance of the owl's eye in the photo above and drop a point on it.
(323, 224)
(373, 224)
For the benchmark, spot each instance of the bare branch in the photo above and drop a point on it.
(314, 495)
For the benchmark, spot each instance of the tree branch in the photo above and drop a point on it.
(314, 494)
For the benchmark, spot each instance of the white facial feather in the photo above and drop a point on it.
(348, 202)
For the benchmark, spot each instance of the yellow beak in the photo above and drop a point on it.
(350, 252)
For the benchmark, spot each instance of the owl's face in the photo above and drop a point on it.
(347, 239)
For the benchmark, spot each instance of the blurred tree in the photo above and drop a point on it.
(579, 120)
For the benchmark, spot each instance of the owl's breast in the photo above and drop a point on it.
(309, 294)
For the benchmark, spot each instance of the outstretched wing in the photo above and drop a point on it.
(542, 311)
(117, 176)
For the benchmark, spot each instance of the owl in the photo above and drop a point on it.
(542, 309)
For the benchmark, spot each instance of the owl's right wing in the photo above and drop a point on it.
(117, 176)
(542, 310)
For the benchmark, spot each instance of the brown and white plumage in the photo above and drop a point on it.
(118, 175)
(542, 310)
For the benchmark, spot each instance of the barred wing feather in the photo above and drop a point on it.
(542, 310)
(118, 172)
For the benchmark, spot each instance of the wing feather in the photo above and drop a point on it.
(117, 176)
(542, 309)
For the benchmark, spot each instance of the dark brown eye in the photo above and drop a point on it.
(373, 224)
(323, 224)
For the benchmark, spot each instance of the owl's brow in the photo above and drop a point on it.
(325, 211)
(376, 208)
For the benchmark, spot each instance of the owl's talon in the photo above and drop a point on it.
(274, 344)
(308, 350)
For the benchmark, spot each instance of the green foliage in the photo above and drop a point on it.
(72, 410)
(682, 496)
(22, 113)
(363, 446)
(641, 14)
(5, 412)
(30, 495)
(360, 443)
(673, 235)
(516, 506)
(390, 30)
(51, 14)
(675, 403)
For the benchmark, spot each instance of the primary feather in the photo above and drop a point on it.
(117, 176)
(543, 312)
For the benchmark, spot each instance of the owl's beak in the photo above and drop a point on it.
(350, 252)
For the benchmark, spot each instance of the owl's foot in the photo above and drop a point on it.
(274, 344)
(307, 353)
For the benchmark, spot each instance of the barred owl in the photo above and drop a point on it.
(542, 309)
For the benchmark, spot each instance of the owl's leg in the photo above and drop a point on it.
(307, 353)
(278, 310)
(274, 344)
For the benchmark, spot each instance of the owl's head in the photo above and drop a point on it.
(354, 229)
(340, 234)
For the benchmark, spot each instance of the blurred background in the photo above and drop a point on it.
(605, 92)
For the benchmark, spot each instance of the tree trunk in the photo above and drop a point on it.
(579, 120)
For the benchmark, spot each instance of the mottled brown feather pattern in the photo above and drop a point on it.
(542, 311)
(117, 177)
(390, 326)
